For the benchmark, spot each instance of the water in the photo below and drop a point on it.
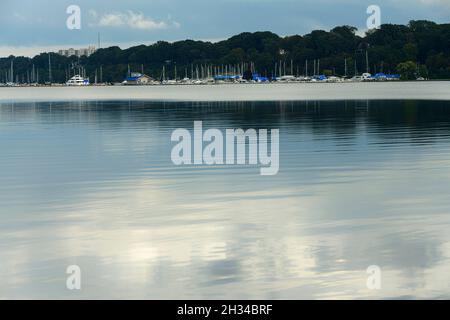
(91, 184)
(397, 90)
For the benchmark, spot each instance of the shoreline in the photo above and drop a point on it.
(427, 90)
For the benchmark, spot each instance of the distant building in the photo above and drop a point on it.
(138, 79)
(77, 52)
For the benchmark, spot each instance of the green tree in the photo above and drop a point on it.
(407, 70)
(390, 48)
(410, 50)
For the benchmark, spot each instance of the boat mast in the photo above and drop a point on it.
(345, 68)
(367, 61)
(11, 75)
(49, 69)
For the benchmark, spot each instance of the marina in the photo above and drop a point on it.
(139, 79)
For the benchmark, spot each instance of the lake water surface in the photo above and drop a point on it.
(92, 184)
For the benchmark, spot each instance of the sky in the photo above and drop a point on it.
(29, 27)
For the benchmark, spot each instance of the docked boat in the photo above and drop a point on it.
(78, 81)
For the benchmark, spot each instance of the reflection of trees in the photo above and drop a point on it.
(337, 118)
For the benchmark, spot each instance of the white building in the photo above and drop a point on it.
(77, 52)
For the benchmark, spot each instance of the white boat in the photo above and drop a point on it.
(287, 78)
(367, 77)
(77, 81)
(356, 79)
(334, 79)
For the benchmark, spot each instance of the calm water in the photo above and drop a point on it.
(92, 184)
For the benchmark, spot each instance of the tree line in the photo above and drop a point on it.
(420, 48)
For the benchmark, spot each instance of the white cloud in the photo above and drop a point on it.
(112, 20)
(134, 20)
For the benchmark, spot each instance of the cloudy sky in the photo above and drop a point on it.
(31, 26)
